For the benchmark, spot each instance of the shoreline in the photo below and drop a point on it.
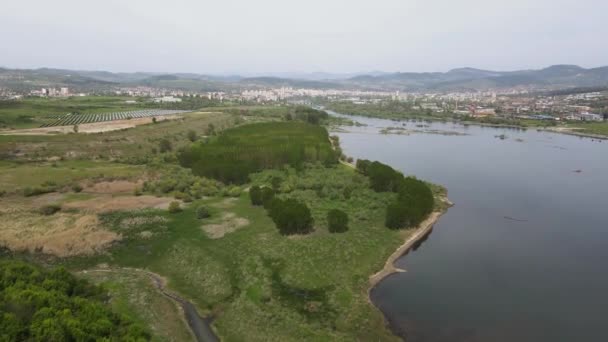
(420, 232)
(389, 268)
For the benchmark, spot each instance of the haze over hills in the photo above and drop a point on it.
(461, 79)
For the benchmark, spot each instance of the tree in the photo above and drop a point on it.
(192, 136)
(174, 207)
(75, 128)
(267, 197)
(154, 120)
(255, 194)
(290, 216)
(202, 212)
(337, 221)
(165, 145)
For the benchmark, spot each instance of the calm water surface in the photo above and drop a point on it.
(522, 256)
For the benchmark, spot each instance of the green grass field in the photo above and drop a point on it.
(262, 285)
(600, 128)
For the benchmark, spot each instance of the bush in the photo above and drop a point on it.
(164, 145)
(192, 136)
(50, 209)
(337, 221)
(76, 187)
(267, 197)
(174, 207)
(27, 192)
(291, 216)
(255, 194)
(202, 212)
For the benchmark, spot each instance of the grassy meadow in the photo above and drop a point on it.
(112, 191)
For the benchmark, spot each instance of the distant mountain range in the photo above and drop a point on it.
(463, 79)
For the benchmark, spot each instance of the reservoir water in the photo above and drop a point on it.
(522, 256)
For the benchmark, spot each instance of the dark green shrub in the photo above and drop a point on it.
(290, 216)
(192, 136)
(50, 209)
(202, 212)
(337, 221)
(255, 194)
(174, 207)
(76, 187)
(267, 197)
(164, 145)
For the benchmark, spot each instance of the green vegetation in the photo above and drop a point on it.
(600, 128)
(221, 250)
(235, 154)
(202, 212)
(415, 200)
(337, 221)
(40, 305)
(291, 216)
(174, 207)
(34, 112)
(255, 194)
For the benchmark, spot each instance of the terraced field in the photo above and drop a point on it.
(77, 119)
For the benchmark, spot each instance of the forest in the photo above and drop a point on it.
(236, 153)
(42, 305)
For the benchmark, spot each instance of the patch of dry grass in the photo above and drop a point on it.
(229, 223)
(108, 203)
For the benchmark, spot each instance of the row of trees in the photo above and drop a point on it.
(41, 305)
(414, 202)
(238, 152)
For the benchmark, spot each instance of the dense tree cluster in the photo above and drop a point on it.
(238, 152)
(414, 203)
(310, 115)
(290, 216)
(414, 200)
(40, 305)
(382, 177)
(337, 221)
(255, 194)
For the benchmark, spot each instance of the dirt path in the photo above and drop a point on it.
(200, 327)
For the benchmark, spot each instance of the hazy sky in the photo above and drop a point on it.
(237, 36)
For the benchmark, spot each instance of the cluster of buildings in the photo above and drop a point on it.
(52, 92)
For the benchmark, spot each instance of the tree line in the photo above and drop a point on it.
(414, 202)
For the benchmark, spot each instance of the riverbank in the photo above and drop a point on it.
(419, 233)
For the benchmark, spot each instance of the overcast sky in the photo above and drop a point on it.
(255, 36)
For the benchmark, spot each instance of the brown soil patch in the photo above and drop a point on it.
(225, 204)
(230, 223)
(119, 186)
(108, 203)
(62, 235)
